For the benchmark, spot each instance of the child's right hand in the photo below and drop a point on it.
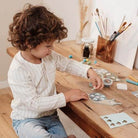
(75, 95)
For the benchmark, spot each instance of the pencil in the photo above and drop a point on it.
(132, 82)
(132, 78)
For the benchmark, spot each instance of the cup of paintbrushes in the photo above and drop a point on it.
(105, 49)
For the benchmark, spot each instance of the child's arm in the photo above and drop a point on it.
(70, 66)
(76, 68)
(76, 94)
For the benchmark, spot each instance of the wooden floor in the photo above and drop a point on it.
(6, 130)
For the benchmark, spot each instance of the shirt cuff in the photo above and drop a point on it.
(86, 71)
(62, 100)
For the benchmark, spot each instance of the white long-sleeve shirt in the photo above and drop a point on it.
(33, 85)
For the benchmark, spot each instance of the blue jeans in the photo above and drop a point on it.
(44, 127)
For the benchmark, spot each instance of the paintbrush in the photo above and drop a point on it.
(126, 27)
(97, 11)
(121, 30)
(100, 23)
(122, 26)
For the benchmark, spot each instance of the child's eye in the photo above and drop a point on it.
(48, 46)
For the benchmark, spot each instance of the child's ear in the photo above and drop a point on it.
(29, 46)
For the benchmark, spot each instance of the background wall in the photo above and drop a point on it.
(68, 10)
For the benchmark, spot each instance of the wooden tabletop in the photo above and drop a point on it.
(87, 113)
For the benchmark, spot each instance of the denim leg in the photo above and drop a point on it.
(45, 127)
(54, 126)
(30, 128)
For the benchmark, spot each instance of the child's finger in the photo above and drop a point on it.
(99, 83)
(94, 83)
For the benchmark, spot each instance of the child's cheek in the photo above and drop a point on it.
(46, 53)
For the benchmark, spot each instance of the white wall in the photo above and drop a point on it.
(68, 10)
(7, 9)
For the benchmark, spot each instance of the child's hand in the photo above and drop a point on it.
(95, 79)
(75, 95)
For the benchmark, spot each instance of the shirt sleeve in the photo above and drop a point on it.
(71, 66)
(25, 93)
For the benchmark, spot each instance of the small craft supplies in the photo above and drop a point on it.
(107, 82)
(70, 56)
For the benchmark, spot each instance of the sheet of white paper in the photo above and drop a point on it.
(136, 60)
(127, 44)
(117, 120)
(121, 86)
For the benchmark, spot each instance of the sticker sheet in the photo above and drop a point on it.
(97, 96)
(100, 98)
(117, 120)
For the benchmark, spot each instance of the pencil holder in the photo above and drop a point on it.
(105, 50)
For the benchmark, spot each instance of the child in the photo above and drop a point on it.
(31, 74)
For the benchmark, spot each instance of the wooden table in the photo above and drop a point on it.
(87, 114)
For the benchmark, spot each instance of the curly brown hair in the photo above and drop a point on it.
(34, 25)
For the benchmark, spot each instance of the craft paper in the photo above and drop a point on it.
(117, 120)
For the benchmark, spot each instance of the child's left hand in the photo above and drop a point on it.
(95, 79)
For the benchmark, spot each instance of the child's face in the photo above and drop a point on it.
(42, 50)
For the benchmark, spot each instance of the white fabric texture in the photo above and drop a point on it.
(33, 85)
